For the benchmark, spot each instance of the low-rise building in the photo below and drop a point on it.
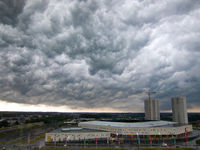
(75, 134)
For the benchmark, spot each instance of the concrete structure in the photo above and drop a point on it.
(140, 128)
(152, 109)
(179, 110)
(74, 134)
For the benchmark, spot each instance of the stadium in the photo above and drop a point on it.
(93, 130)
(139, 128)
(104, 130)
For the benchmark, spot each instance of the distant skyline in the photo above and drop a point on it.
(95, 55)
(10, 106)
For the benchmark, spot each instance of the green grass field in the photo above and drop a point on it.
(56, 148)
(166, 149)
(52, 148)
(101, 149)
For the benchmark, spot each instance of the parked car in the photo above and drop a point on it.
(164, 144)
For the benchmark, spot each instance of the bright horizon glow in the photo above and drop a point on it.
(8, 106)
(11, 106)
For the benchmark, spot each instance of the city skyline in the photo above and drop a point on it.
(98, 55)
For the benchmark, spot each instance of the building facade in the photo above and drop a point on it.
(179, 110)
(152, 109)
(75, 134)
(145, 128)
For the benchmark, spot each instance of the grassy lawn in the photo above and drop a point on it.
(42, 136)
(54, 148)
(101, 149)
(166, 149)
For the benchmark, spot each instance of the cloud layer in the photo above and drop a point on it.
(99, 53)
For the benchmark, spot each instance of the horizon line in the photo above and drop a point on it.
(86, 112)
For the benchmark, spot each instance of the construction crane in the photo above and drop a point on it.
(149, 99)
(149, 93)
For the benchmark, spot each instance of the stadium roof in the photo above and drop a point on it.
(130, 125)
(75, 130)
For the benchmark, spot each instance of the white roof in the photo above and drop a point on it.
(70, 129)
(129, 125)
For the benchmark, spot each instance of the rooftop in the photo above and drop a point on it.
(130, 125)
(78, 130)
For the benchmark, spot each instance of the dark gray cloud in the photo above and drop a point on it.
(88, 54)
(9, 10)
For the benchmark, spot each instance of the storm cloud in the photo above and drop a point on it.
(99, 53)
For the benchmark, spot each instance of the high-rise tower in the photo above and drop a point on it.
(179, 110)
(152, 109)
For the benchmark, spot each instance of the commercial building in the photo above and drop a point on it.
(103, 130)
(75, 134)
(152, 109)
(179, 110)
(139, 128)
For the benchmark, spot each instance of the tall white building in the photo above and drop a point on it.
(152, 109)
(179, 110)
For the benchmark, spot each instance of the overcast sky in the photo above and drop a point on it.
(97, 54)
